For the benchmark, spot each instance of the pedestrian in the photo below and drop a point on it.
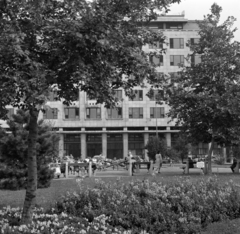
(234, 164)
(132, 159)
(158, 162)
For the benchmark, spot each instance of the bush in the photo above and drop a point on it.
(14, 152)
(139, 207)
(15, 178)
(54, 223)
(183, 208)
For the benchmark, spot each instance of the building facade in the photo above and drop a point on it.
(87, 129)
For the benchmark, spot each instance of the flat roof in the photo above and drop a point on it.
(171, 18)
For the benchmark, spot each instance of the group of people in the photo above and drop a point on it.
(157, 164)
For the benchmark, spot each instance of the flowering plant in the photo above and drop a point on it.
(133, 208)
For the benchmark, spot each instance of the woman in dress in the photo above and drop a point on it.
(158, 162)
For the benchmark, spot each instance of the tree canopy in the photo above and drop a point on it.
(71, 45)
(205, 99)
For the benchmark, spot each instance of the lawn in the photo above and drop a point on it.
(59, 187)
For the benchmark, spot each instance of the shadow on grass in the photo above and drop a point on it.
(224, 227)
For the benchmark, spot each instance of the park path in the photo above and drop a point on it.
(173, 170)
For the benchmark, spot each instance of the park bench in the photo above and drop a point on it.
(192, 165)
(139, 165)
(77, 167)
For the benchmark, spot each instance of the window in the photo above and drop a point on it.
(135, 113)
(115, 113)
(176, 60)
(194, 41)
(157, 94)
(176, 25)
(136, 143)
(93, 113)
(71, 113)
(72, 145)
(155, 25)
(157, 60)
(157, 112)
(176, 43)
(156, 45)
(138, 95)
(51, 114)
(118, 94)
(195, 59)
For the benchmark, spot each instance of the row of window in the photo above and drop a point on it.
(138, 95)
(175, 60)
(114, 113)
(174, 43)
(53, 95)
(168, 25)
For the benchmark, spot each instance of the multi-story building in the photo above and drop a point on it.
(87, 129)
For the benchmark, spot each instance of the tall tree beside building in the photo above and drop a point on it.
(206, 98)
(70, 45)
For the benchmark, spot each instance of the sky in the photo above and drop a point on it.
(196, 9)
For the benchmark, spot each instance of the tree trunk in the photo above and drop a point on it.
(31, 191)
(209, 166)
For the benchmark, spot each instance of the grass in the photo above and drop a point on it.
(225, 227)
(46, 197)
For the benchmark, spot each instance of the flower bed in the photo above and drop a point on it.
(137, 207)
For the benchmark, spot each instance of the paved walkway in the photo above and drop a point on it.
(174, 170)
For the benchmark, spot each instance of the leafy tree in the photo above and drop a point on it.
(181, 146)
(206, 99)
(154, 145)
(71, 45)
(14, 150)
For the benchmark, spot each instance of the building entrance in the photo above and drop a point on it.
(72, 145)
(114, 146)
(94, 144)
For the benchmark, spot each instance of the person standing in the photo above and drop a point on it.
(234, 164)
(158, 162)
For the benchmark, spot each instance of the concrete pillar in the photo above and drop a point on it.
(125, 144)
(66, 170)
(104, 143)
(61, 145)
(146, 137)
(130, 168)
(168, 139)
(83, 145)
(224, 154)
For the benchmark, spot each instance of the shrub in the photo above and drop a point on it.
(139, 207)
(15, 178)
(54, 223)
(183, 208)
(14, 151)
